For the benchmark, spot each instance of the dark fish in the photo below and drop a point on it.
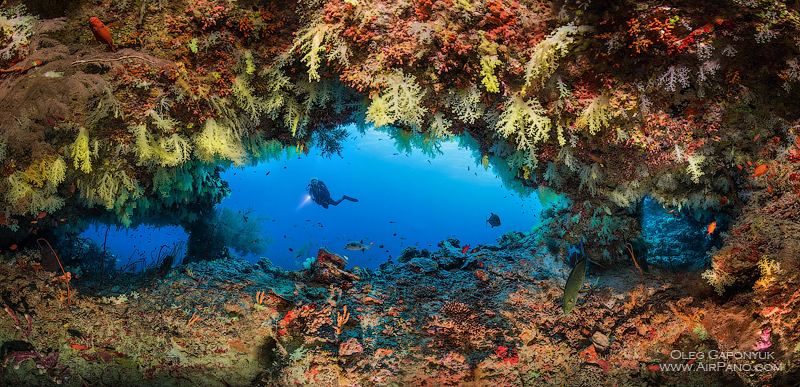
(574, 283)
(494, 220)
(291, 249)
(381, 246)
(395, 234)
(267, 173)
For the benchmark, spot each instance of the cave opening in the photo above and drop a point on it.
(408, 196)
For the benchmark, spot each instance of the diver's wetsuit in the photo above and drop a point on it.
(320, 195)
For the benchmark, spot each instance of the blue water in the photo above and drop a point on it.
(404, 200)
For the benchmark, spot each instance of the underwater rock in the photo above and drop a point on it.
(453, 245)
(329, 269)
(412, 252)
(677, 242)
(511, 239)
(234, 269)
(600, 340)
(425, 265)
(363, 273)
(449, 255)
(265, 265)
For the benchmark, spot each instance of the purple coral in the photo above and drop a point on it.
(763, 341)
(18, 357)
(25, 332)
(46, 364)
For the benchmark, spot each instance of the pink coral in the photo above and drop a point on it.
(763, 341)
(349, 347)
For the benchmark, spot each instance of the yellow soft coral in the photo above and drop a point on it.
(17, 187)
(400, 100)
(489, 80)
(81, 153)
(36, 174)
(57, 172)
(219, 140)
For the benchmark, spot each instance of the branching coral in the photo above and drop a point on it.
(400, 100)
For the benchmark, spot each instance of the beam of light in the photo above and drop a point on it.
(306, 200)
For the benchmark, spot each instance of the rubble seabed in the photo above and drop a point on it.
(491, 316)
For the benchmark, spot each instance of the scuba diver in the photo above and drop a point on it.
(320, 195)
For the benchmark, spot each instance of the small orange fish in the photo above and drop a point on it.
(671, 211)
(739, 166)
(757, 136)
(760, 170)
(749, 163)
(723, 200)
(42, 215)
(595, 158)
(34, 221)
(464, 249)
(78, 347)
(13, 247)
(101, 33)
(475, 250)
(711, 228)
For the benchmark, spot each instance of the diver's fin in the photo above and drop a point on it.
(349, 198)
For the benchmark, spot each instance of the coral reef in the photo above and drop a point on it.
(590, 105)
(233, 323)
(545, 91)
